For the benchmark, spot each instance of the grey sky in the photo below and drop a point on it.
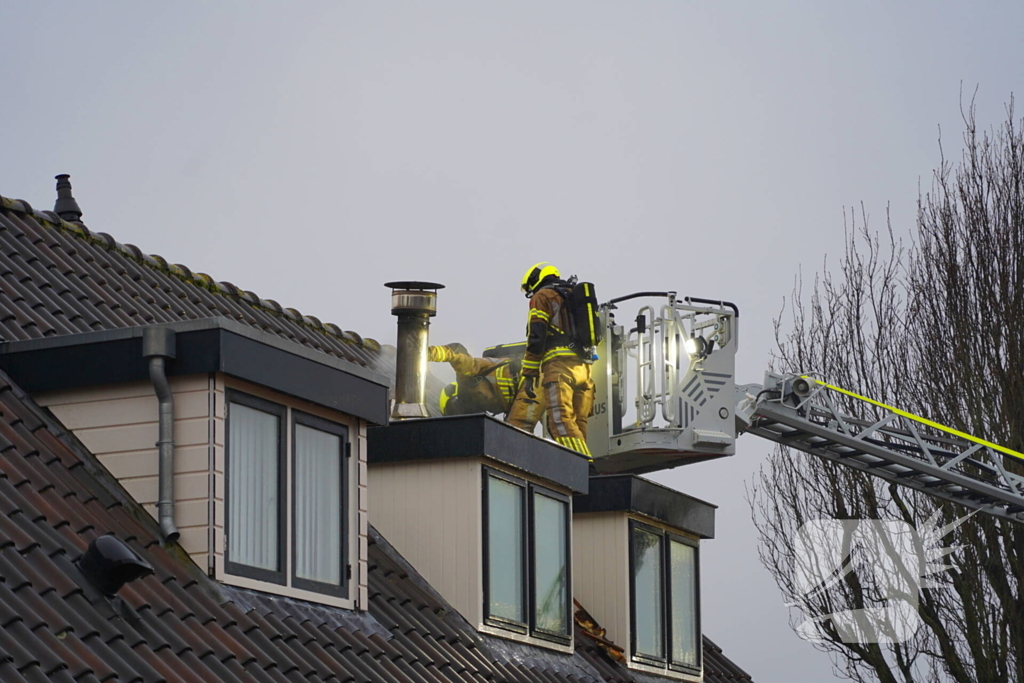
(312, 151)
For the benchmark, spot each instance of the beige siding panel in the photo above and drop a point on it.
(186, 487)
(601, 570)
(193, 540)
(144, 463)
(91, 394)
(142, 489)
(134, 410)
(201, 559)
(179, 385)
(189, 513)
(430, 512)
(138, 437)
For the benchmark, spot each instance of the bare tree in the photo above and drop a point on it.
(935, 326)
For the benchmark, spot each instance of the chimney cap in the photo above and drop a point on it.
(66, 207)
(413, 284)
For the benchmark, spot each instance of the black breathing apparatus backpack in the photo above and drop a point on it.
(580, 301)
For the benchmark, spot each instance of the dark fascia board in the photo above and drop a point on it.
(630, 493)
(467, 436)
(203, 346)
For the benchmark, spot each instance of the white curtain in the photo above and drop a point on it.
(253, 491)
(648, 605)
(549, 556)
(685, 628)
(318, 461)
(505, 549)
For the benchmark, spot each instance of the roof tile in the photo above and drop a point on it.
(59, 278)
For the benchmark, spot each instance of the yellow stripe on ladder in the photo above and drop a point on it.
(922, 420)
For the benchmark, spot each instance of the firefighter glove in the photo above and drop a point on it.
(529, 382)
(439, 354)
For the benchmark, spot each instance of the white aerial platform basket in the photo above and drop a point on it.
(665, 389)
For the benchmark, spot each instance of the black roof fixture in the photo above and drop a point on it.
(66, 207)
(109, 564)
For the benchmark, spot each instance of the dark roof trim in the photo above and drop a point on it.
(209, 345)
(630, 493)
(465, 436)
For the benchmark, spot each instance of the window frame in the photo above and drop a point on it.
(529, 553)
(489, 619)
(674, 665)
(280, 411)
(666, 662)
(562, 638)
(341, 589)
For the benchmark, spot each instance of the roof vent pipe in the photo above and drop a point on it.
(110, 563)
(158, 347)
(66, 207)
(415, 303)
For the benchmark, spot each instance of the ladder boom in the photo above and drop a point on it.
(897, 446)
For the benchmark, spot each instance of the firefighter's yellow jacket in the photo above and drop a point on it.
(488, 384)
(547, 330)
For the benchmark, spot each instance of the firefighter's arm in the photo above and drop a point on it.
(439, 354)
(462, 363)
(537, 324)
(467, 366)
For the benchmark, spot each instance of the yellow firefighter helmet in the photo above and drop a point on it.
(449, 395)
(536, 275)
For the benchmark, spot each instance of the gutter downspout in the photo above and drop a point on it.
(157, 348)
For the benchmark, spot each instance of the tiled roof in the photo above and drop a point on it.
(60, 278)
(183, 626)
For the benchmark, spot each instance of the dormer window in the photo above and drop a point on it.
(636, 545)
(526, 557)
(298, 539)
(665, 616)
(483, 511)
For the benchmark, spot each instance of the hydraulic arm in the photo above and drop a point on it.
(802, 413)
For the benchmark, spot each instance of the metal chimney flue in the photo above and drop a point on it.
(66, 207)
(414, 303)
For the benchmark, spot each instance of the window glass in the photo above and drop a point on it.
(685, 632)
(318, 461)
(550, 565)
(253, 487)
(647, 603)
(505, 549)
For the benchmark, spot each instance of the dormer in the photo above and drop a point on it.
(636, 550)
(483, 511)
(269, 452)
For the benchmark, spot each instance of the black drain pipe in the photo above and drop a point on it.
(158, 347)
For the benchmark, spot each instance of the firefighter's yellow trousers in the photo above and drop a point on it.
(567, 393)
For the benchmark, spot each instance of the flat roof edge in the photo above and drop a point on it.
(632, 493)
(203, 346)
(478, 435)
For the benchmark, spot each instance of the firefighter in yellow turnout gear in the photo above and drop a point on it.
(565, 388)
(484, 385)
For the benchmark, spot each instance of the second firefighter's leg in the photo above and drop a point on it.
(525, 411)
